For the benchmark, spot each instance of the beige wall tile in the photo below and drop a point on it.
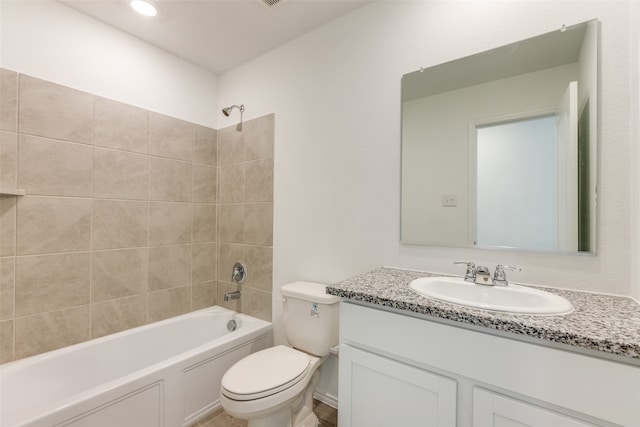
(8, 160)
(231, 184)
(258, 135)
(231, 221)
(204, 295)
(52, 225)
(170, 180)
(258, 224)
(229, 254)
(8, 207)
(204, 184)
(230, 146)
(169, 267)
(120, 175)
(170, 137)
(122, 126)
(6, 341)
(54, 168)
(205, 145)
(119, 224)
(170, 223)
(116, 315)
(203, 264)
(51, 282)
(256, 303)
(169, 303)
(7, 287)
(259, 180)
(54, 111)
(119, 273)
(259, 261)
(204, 223)
(52, 330)
(8, 100)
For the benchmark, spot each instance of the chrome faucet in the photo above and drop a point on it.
(499, 276)
(470, 274)
(232, 295)
(481, 275)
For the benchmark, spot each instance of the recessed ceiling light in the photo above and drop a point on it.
(143, 7)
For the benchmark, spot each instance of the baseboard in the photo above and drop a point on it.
(327, 399)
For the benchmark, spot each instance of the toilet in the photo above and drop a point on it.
(274, 387)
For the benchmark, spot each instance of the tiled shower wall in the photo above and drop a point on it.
(129, 216)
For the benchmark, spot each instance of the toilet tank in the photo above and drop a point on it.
(310, 317)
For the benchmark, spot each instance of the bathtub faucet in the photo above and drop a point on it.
(232, 295)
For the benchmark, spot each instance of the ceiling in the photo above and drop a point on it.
(218, 35)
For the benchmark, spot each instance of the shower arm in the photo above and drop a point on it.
(227, 111)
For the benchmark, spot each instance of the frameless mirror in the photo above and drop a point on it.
(499, 148)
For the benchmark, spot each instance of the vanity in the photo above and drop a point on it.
(408, 360)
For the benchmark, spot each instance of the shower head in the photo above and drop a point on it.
(227, 111)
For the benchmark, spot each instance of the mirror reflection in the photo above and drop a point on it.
(499, 148)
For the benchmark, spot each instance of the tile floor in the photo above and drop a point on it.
(327, 415)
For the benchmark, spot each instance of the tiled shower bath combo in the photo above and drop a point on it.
(129, 217)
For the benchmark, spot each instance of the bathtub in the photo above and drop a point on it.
(165, 374)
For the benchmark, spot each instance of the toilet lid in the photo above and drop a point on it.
(265, 373)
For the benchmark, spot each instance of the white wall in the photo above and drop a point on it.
(51, 41)
(336, 95)
(635, 125)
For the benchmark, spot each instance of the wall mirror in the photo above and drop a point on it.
(499, 148)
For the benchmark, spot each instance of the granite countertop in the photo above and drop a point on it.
(600, 323)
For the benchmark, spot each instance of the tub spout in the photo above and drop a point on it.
(232, 295)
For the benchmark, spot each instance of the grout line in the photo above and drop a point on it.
(42, 313)
(15, 218)
(15, 280)
(148, 201)
(193, 182)
(91, 242)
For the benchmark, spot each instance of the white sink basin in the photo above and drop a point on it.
(511, 299)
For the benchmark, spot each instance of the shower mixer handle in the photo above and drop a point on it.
(239, 273)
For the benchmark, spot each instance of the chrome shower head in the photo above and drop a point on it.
(227, 111)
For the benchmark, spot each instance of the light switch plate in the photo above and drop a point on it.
(449, 200)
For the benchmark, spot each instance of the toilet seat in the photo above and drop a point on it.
(265, 373)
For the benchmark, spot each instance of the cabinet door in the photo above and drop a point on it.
(379, 392)
(494, 410)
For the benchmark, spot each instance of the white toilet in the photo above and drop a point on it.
(274, 387)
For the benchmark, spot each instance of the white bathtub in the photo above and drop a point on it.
(163, 374)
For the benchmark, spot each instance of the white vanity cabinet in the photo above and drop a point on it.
(383, 392)
(399, 370)
(494, 410)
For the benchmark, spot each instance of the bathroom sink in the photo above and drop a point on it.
(511, 299)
